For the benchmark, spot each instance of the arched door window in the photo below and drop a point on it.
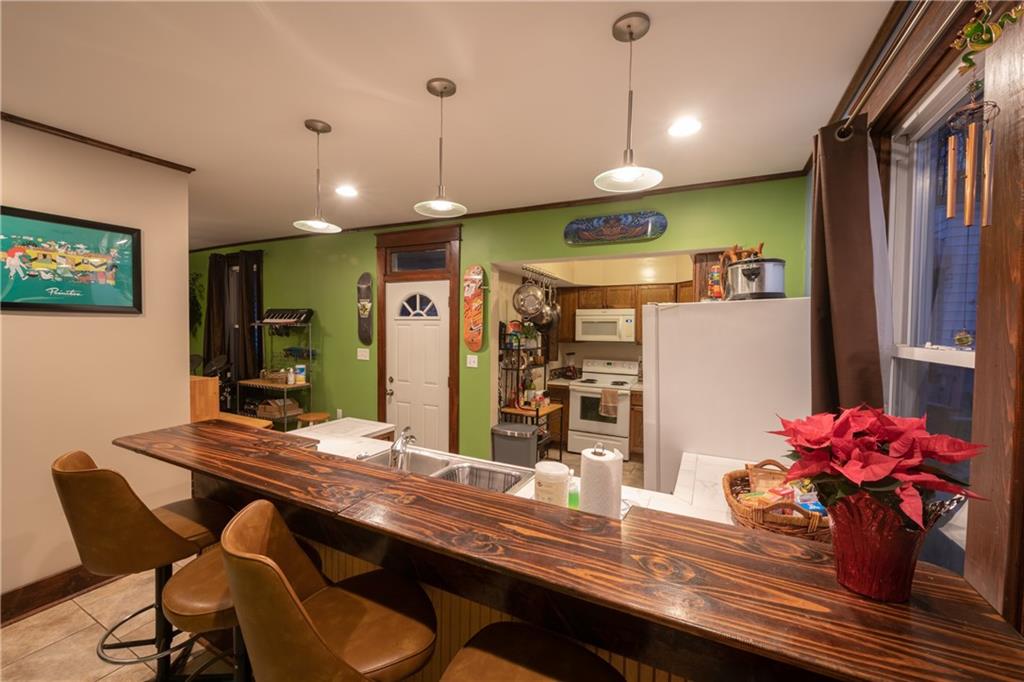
(418, 305)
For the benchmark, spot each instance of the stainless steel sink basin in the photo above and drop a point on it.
(419, 462)
(498, 479)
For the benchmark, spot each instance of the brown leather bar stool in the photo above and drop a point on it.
(374, 625)
(297, 626)
(116, 534)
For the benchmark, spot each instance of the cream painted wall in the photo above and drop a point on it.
(76, 381)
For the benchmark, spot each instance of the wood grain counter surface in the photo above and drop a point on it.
(683, 590)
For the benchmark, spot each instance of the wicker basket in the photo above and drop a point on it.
(798, 522)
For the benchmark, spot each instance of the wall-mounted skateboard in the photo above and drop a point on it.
(364, 304)
(473, 307)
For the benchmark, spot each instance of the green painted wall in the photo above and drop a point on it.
(321, 272)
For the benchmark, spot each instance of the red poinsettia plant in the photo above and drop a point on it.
(864, 449)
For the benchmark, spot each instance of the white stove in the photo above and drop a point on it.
(607, 382)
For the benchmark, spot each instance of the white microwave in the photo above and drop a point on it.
(610, 324)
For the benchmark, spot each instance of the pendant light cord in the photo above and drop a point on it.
(628, 154)
(440, 153)
(317, 214)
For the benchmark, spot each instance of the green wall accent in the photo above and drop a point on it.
(321, 272)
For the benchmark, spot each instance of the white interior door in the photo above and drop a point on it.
(416, 383)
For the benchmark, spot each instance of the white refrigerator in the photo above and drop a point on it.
(717, 376)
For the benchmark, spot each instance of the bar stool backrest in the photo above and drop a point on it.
(270, 576)
(114, 531)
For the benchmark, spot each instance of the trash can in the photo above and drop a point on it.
(514, 443)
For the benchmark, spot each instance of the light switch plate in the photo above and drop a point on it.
(472, 361)
(362, 353)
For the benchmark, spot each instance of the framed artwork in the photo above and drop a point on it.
(56, 263)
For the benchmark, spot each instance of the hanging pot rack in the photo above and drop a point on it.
(845, 131)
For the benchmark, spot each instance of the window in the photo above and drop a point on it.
(418, 305)
(935, 263)
(419, 259)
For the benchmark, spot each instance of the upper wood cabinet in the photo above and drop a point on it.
(568, 299)
(620, 297)
(685, 292)
(591, 298)
(651, 293)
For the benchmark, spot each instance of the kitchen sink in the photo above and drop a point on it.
(421, 463)
(498, 479)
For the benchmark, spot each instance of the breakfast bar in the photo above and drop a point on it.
(687, 597)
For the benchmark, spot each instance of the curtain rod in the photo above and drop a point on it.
(844, 131)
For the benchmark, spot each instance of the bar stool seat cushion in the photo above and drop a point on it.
(379, 623)
(197, 598)
(196, 519)
(516, 652)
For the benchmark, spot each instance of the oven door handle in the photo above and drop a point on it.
(597, 391)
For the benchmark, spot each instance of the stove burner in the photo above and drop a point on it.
(588, 381)
(620, 383)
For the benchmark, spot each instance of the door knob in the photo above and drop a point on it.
(390, 392)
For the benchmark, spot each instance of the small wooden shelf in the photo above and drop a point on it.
(273, 385)
(529, 412)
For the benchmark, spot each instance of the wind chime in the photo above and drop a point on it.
(973, 122)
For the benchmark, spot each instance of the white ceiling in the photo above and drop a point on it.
(540, 108)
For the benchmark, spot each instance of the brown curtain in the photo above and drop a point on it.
(215, 337)
(248, 358)
(850, 293)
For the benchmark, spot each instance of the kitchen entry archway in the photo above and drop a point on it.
(418, 333)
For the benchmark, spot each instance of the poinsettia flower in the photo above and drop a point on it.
(853, 420)
(947, 449)
(911, 504)
(810, 465)
(813, 432)
(933, 482)
(867, 466)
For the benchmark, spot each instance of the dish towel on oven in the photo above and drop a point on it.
(609, 406)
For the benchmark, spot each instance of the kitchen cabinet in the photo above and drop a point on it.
(651, 293)
(591, 298)
(568, 299)
(620, 297)
(685, 292)
(560, 394)
(636, 424)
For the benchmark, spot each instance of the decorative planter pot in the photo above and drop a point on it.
(875, 553)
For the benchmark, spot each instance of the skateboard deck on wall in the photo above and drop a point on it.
(364, 304)
(473, 307)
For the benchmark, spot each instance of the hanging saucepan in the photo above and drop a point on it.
(528, 299)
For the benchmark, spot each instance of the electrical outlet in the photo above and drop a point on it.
(362, 353)
(472, 361)
(341, 414)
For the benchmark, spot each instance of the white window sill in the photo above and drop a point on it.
(939, 356)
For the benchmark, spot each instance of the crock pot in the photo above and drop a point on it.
(755, 278)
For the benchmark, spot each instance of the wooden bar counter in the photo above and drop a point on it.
(697, 599)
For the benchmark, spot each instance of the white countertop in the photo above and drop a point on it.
(657, 501)
(348, 426)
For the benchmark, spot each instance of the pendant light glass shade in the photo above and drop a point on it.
(440, 206)
(629, 177)
(317, 223)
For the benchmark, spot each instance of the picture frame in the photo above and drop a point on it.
(55, 263)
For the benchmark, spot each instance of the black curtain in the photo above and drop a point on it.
(234, 300)
(215, 337)
(249, 351)
(851, 318)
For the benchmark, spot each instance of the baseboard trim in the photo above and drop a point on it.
(29, 599)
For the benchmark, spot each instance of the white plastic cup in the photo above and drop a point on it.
(551, 483)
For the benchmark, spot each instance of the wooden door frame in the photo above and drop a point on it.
(450, 238)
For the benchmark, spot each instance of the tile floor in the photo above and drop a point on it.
(59, 644)
(632, 471)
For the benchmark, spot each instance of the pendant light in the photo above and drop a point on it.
(440, 206)
(317, 222)
(629, 177)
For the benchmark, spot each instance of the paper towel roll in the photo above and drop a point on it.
(601, 482)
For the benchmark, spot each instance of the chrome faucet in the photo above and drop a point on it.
(400, 450)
